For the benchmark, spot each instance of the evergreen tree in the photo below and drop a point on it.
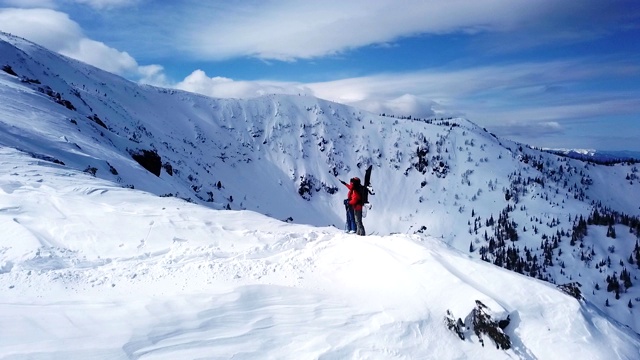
(625, 277)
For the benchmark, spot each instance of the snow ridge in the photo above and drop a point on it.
(78, 144)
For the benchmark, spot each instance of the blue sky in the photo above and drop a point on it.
(549, 73)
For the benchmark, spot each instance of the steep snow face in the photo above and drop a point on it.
(286, 149)
(282, 156)
(89, 269)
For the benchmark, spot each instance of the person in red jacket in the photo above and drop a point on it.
(350, 226)
(356, 202)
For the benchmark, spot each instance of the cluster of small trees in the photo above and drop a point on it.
(419, 160)
(500, 247)
(565, 175)
(601, 216)
(434, 121)
(309, 183)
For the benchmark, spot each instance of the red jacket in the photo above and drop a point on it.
(353, 197)
(354, 200)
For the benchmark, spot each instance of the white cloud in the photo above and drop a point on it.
(55, 4)
(153, 75)
(100, 55)
(513, 99)
(221, 87)
(50, 28)
(56, 31)
(406, 104)
(529, 130)
(359, 94)
(291, 29)
(49, 4)
(105, 4)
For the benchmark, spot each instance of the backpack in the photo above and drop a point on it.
(363, 193)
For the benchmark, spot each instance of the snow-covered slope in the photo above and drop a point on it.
(93, 270)
(444, 179)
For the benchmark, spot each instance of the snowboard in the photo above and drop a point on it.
(367, 185)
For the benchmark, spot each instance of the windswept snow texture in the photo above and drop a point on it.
(141, 222)
(92, 270)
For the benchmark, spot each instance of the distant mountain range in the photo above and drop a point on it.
(599, 156)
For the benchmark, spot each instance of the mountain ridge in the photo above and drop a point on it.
(282, 156)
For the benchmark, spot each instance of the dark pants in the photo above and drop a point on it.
(359, 225)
